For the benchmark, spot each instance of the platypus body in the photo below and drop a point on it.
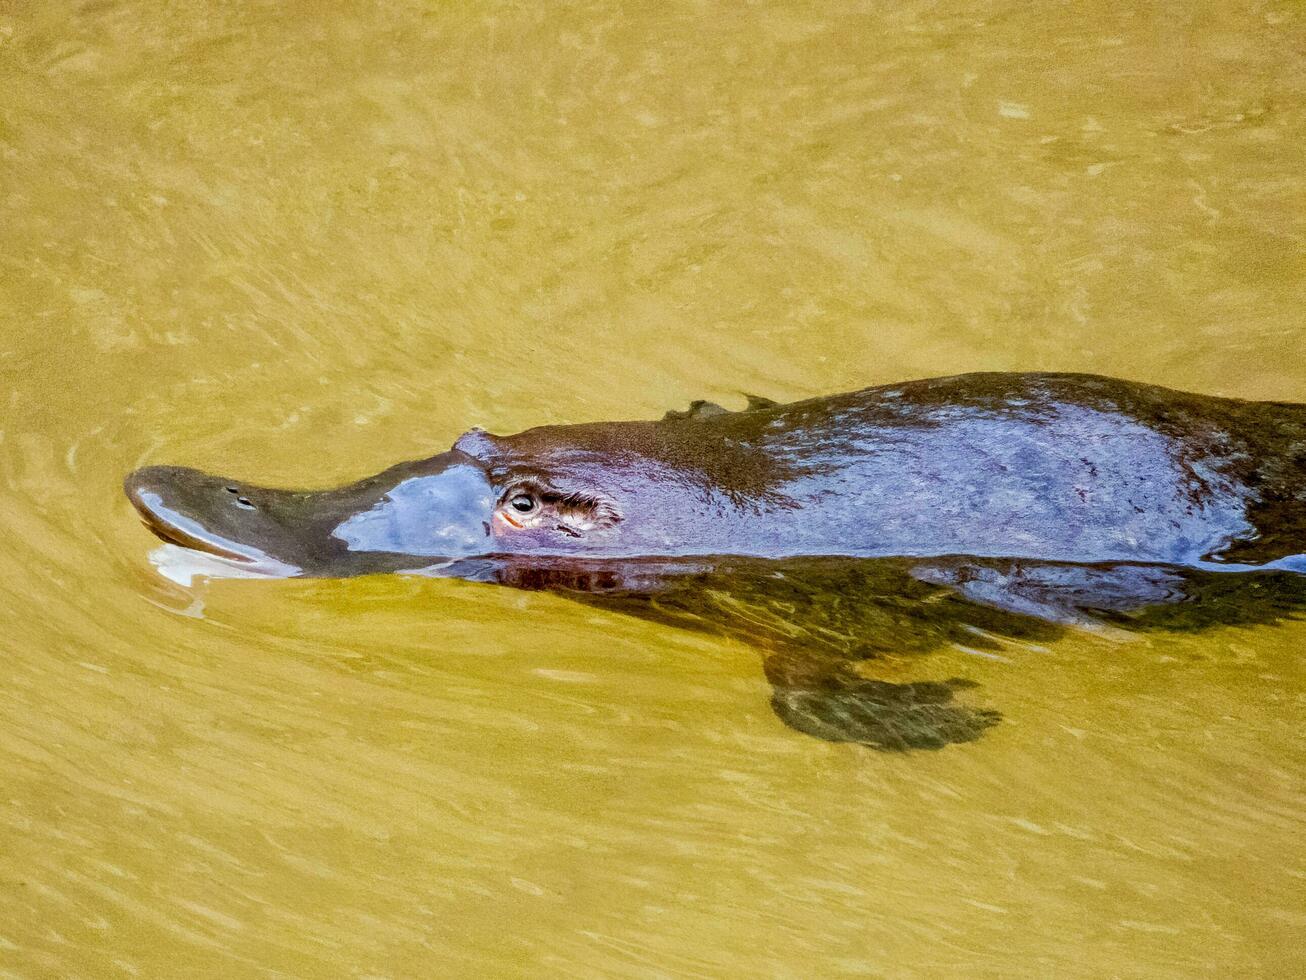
(1040, 495)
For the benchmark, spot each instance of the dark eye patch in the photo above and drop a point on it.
(597, 509)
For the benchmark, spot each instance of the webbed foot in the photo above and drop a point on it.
(845, 707)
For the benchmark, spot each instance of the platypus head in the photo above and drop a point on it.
(459, 504)
(600, 490)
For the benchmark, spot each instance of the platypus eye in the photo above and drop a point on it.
(522, 503)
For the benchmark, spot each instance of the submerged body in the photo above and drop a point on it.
(1065, 468)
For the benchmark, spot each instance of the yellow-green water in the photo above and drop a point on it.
(297, 242)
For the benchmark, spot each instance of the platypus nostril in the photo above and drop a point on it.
(245, 502)
(231, 490)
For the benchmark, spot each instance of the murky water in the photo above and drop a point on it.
(298, 242)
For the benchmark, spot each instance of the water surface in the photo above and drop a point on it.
(298, 242)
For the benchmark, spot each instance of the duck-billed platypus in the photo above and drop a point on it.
(1040, 495)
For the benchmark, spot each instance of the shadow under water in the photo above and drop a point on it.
(822, 622)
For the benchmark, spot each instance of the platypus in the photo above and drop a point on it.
(1039, 495)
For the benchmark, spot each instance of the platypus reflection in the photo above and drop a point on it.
(1045, 496)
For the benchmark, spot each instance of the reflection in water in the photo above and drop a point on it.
(355, 230)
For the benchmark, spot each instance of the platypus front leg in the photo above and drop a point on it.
(825, 696)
